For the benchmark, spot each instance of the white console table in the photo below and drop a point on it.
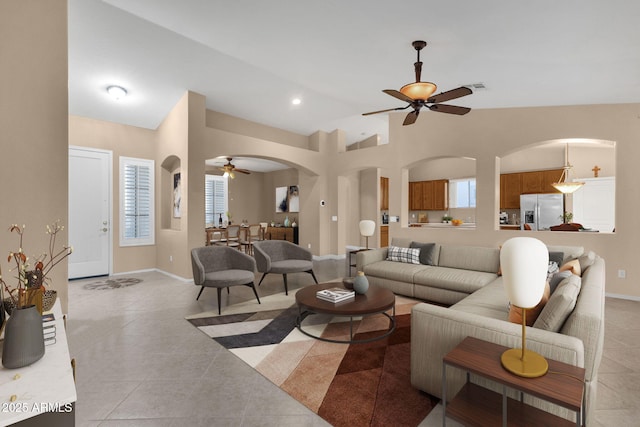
(45, 392)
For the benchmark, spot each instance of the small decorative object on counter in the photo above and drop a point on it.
(286, 221)
(447, 219)
(360, 283)
(294, 223)
(220, 221)
(456, 222)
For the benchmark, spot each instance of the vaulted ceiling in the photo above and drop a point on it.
(250, 58)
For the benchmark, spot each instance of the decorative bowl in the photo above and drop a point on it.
(456, 222)
(49, 297)
(347, 282)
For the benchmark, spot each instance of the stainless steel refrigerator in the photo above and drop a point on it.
(541, 211)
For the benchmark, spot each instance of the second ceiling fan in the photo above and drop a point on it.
(420, 94)
(229, 169)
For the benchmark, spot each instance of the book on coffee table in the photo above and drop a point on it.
(335, 294)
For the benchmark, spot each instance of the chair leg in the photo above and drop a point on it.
(262, 278)
(313, 275)
(286, 290)
(255, 292)
(200, 293)
(219, 298)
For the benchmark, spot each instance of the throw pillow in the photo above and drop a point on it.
(586, 260)
(555, 279)
(560, 305)
(515, 313)
(556, 257)
(572, 266)
(426, 252)
(408, 255)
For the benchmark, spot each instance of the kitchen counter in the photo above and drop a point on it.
(442, 225)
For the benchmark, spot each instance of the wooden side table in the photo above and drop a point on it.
(477, 406)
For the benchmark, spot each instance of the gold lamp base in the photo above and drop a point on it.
(527, 363)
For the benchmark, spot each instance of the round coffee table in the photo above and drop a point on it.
(376, 300)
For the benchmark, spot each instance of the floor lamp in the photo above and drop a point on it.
(524, 262)
(367, 228)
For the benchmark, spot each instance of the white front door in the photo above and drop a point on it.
(89, 212)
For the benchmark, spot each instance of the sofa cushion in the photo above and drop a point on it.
(490, 301)
(427, 252)
(560, 305)
(408, 255)
(558, 277)
(586, 260)
(470, 258)
(455, 279)
(393, 270)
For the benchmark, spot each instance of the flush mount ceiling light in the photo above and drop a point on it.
(117, 92)
(564, 185)
(296, 101)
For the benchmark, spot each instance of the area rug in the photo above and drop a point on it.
(120, 282)
(346, 384)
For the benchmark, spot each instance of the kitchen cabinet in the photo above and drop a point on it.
(429, 195)
(384, 194)
(512, 185)
(384, 236)
(531, 182)
(510, 190)
(548, 178)
(415, 196)
(440, 195)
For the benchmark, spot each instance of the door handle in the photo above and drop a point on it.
(105, 229)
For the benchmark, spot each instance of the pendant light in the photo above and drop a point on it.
(564, 185)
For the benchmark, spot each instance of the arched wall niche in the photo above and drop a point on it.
(170, 193)
(593, 161)
(450, 168)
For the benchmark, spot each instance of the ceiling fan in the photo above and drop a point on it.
(230, 169)
(420, 94)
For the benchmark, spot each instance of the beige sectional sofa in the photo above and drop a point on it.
(466, 278)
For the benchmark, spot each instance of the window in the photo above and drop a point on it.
(462, 193)
(215, 199)
(136, 202)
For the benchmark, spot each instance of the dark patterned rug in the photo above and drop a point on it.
(346, 384)
(109, 283)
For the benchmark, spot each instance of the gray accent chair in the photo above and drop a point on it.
(282, 257)
(221, 267)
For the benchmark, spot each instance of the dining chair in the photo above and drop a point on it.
(231, 237)
(253, 234)
(213, 237)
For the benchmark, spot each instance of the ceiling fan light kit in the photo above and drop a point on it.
(229, 169)
(420, 94)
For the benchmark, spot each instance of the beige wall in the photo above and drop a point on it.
(34, 128)
(488, 135)
(121, 140)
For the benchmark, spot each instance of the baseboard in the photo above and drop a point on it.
(148, 270)
(622, 296)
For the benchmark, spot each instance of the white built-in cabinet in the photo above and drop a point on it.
(594, 205)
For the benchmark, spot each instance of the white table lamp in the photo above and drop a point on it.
(367, 228)
(524, 262)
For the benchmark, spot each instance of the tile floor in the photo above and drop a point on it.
(139, 363)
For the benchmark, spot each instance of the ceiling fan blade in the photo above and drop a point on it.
(241, 171)
(384, 111)
(411, 118)
(450, 94)
(401, 96)
(450, 109)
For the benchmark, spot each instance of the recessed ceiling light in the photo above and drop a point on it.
(117, 92)
(296, 101)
